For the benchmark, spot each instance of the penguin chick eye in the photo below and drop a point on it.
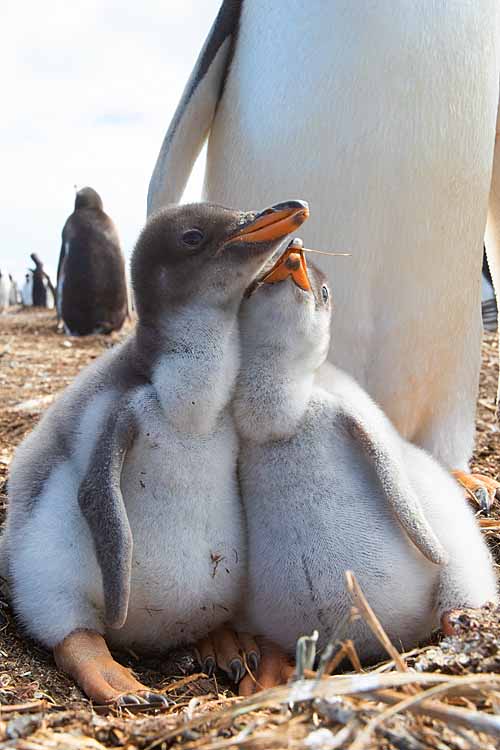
(325, 294)
(192, 237)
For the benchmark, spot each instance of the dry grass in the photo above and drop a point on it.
(444, 695)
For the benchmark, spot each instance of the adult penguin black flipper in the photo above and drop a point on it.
(195, 112)
(101, 503)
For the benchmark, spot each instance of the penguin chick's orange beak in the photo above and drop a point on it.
(274, 223)
(291, 263)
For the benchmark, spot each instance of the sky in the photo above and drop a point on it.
(88, 90)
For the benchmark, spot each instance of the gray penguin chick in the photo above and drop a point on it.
(125, 493)
(328, 485)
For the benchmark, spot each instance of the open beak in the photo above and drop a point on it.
(291, 263)
(273, 223)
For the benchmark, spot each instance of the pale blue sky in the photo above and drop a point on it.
(88, 91)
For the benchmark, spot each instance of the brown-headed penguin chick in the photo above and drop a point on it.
(125, 496)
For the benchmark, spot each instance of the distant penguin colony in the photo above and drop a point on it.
(91, 284)
(133, 560)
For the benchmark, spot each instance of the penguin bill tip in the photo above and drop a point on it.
(273, 223)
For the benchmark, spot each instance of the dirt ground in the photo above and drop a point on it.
(40, 708)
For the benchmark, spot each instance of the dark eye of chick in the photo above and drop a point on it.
(325, 294)
(192, 237)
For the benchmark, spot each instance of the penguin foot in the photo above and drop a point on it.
(234, 653)
(275, 668)
(85, 657)
(482, 490)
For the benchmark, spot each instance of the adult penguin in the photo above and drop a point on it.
(39, 282)
(4, 292)
(27, 290)
(383, 116)
(91, 285)
(14, 296)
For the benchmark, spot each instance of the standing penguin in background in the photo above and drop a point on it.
(489, 310)
(4, 292)
(42, 284)
(14, 296)
(115, 528)
(27, 290)
(354, 104)
(328, 486)
(91, 284)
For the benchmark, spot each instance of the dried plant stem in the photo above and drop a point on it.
(473, 719)
(306, 691)
(347, 650)
(372, 621)
(324, 252)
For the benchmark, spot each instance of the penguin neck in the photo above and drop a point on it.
(194, 356)
(272, 394)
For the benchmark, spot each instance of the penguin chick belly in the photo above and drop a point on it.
(185, 513)
(315, 510)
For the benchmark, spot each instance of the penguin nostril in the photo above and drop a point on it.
(293, 263)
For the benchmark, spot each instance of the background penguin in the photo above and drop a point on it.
(4, 292)
(27, 290)
(91, 284)
(122, 457)
(43, 290)
(14, 296)
(489, 308)
(39, 287)
(328, 486)
(346, 102)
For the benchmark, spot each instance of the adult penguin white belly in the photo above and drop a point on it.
(384, 117)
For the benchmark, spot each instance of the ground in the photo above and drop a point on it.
(41, 708)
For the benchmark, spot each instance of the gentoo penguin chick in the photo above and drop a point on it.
(124, 519)
(328, 485)
(91, 283)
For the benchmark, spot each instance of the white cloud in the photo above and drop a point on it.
(89, 92)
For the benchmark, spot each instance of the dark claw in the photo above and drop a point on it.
(237, 670)
(209, 666)
(157, 698)
(130, 700)
(484, 500)
(253, 662)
